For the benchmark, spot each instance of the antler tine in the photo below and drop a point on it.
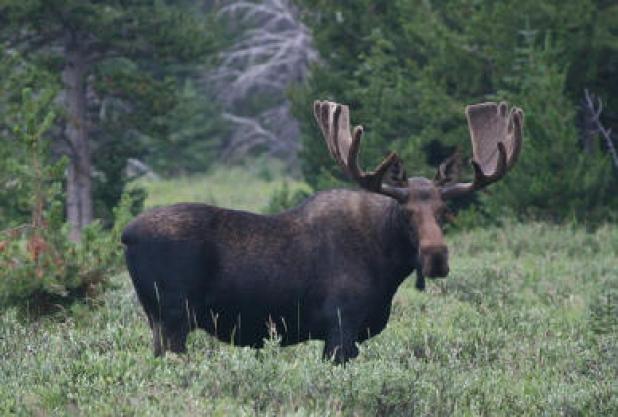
(344, 147)
(496, 135)
(334, 122)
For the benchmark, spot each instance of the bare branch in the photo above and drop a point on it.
(273, 52)
(595, 113)
(251, 133)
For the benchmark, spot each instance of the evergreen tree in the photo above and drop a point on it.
(408, 68)
(111, 58)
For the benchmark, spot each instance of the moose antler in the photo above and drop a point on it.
(334, 121)
(496, 135)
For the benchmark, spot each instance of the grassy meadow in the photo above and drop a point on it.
(525, 325)
(242, 188)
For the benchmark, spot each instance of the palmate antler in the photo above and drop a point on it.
(496, 135)
(344, 147)
(495, 131)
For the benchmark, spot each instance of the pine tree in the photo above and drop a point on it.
(407, 69)
(119, 48)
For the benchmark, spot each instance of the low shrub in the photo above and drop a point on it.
(41, 267)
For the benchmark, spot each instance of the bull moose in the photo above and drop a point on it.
(327, 269)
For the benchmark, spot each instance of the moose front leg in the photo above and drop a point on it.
(341, 337)
(420, 279)
(340, 347)
(155, 327)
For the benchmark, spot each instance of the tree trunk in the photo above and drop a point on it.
(79, 181)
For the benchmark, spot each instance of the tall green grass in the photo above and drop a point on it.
(243, 188)
(525, 325)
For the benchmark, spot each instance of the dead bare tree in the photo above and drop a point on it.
(273, 51)
(594, 108)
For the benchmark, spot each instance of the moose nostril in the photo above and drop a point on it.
(438, 263)
(435, 261)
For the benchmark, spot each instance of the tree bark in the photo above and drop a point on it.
(79, 181)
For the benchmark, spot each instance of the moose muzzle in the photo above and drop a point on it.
(434, 261)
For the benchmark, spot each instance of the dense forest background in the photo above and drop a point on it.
(98, 94)
(110, 107)
(408, 68)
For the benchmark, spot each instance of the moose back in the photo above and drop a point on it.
(325, 270)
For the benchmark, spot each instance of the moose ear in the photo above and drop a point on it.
(396, 174)
(449, 170)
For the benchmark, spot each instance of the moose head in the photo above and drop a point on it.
(496, 135)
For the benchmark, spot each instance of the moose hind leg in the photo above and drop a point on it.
(157, 336)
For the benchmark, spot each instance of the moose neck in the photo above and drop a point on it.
(400, 248)
(375, 228)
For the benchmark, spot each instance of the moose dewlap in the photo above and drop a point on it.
(325, 270)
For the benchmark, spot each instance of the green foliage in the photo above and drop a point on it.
(195, 134)
(604, 311)
(150, 109)
(512, 332)
(283, 199)
(554, 178)
(150, 28)
(30, 180)
(408, 68)
(137, 58)
(39, 265)
(16, 177)
(110, 180)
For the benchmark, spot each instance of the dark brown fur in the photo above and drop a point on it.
(327, 269)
